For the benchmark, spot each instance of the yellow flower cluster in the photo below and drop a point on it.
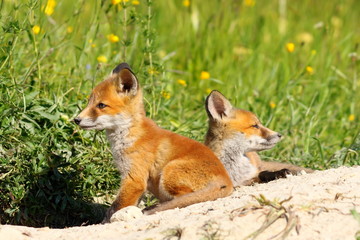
(102, 59)
(351, 117)
(93, 45)
(204, 75)
(309, 70)
(272, 104)
(290, 47)
(186, 3)
(113, 38)
(181, 82)
(165, 95)
(69, 29)
(152, 71)
(36, 29)
(115, 2)
(49, 8)
(249, 3)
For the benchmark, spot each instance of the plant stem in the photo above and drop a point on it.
(124, 33)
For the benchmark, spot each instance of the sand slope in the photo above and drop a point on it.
(317, 206)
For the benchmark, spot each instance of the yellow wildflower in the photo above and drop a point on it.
(186, 3)
(290, 47)
(181, 82)
(208, 90)
(90, 40)
(36, 29)
(351, 117)
(69, 29)
(313, 52)
(113, 38)
(249, 3)
(93, 45)
(309, 70)
(115, 2)
(152, 71)
(49, 8)
(165, 94)
(204, 75)
(135, 2)
(51, 3)
(272, 104)
(102, 59)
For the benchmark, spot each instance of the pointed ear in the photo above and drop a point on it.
(217, 106)
(125, 79)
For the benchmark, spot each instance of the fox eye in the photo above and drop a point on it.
(255, 126)
(101, 105)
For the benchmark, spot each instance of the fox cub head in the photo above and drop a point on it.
(236, 127)
(114, 102)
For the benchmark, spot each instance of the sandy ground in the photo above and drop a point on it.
(311, 206)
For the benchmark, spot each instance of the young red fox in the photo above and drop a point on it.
(235, 136)
(177, 170)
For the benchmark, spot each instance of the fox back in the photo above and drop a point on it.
(177, 170)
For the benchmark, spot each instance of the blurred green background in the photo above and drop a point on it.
(294, 63)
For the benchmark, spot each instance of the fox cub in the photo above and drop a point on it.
(235, 136)
(177, 170)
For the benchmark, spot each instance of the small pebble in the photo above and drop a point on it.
(126, 214)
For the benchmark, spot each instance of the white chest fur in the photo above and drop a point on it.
(119, 141)
(236, 163)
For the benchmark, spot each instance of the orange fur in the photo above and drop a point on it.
(177, 170)
(235, 136)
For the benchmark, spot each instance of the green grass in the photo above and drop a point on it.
(50, 170)
(356, 215)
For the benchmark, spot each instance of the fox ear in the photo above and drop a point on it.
(125, 79)
(217, 106)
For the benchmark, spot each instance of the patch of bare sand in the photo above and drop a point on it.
(311, 206)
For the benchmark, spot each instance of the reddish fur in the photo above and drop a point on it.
(176, 169)
(240, 121)
(244, 120)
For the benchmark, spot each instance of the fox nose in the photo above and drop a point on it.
(279, 135)
(77, 120)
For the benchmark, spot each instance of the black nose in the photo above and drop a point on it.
(279, 135)
(77, 121)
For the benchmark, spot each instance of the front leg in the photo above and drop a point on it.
(130, 192)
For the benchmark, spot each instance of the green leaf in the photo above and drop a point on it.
(28, 126)
(355, 214)
(49, 116)
(30, 96)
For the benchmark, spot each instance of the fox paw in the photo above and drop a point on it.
(266, 176)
